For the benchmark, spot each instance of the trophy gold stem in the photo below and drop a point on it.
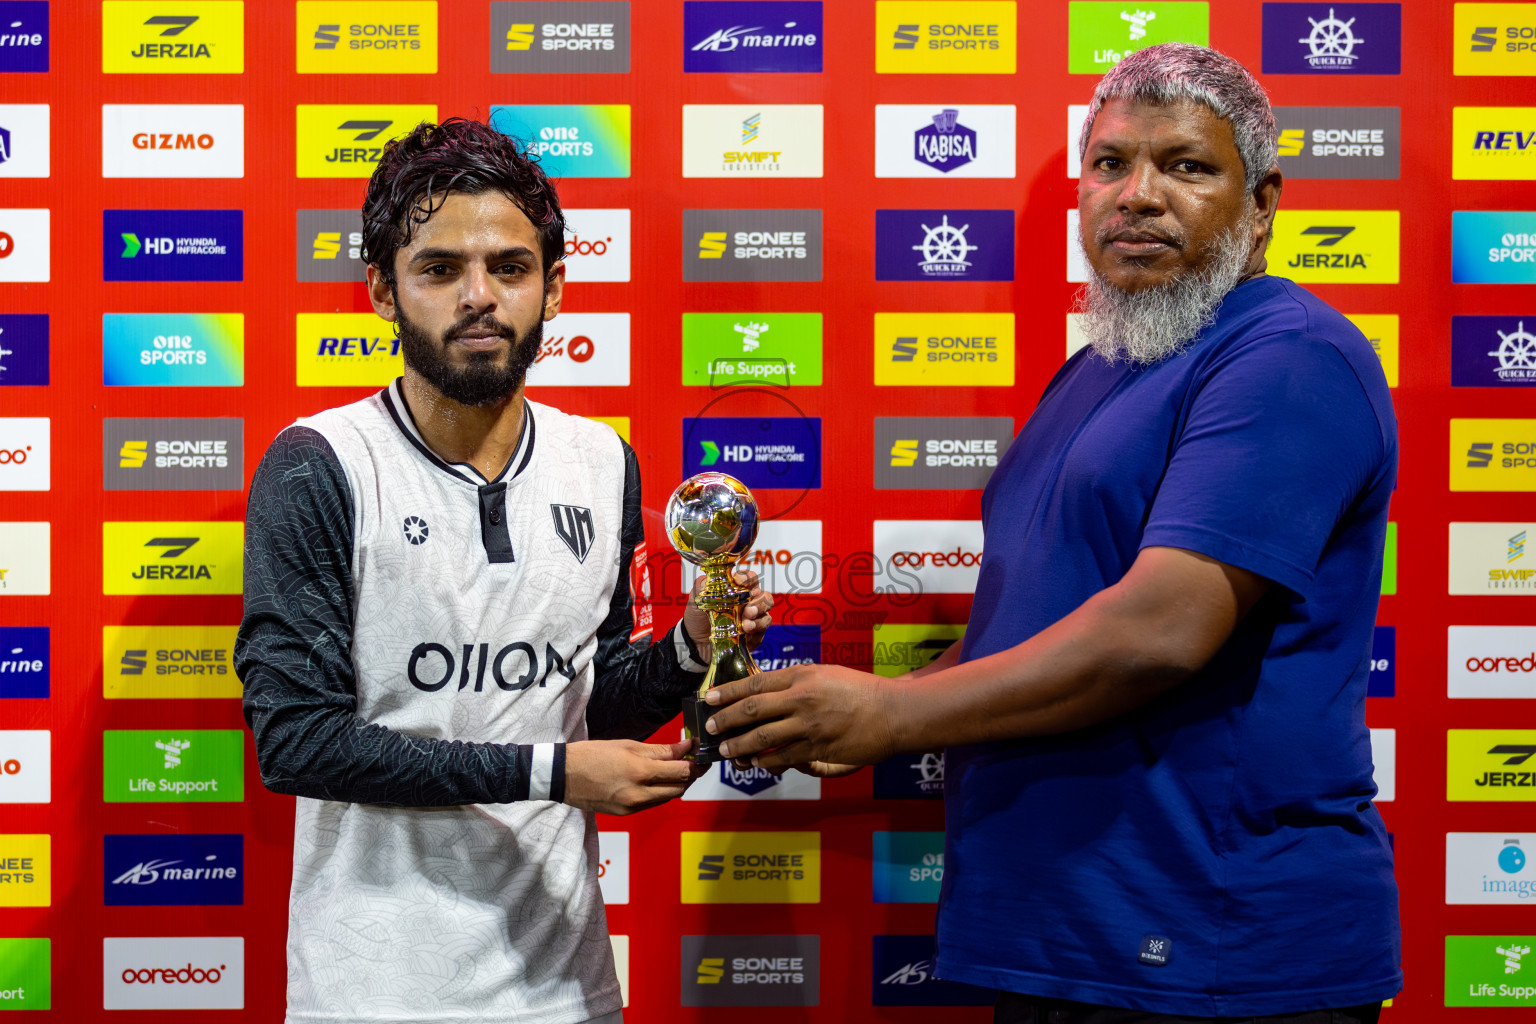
(729, 659)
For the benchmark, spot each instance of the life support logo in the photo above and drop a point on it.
(1101, 35)
(197, 973)
(180, 766)
(782, 349)
(193, 37)
(26, 981)
(376, 37)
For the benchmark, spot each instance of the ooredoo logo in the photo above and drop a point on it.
(24, 453)
(597, 245)
(197, 973)
(927, 556)
(172, 140)
(24, 245)
(25, 766)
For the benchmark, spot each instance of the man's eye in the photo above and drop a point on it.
(1110, 163)
(1189, 167)
(510, 269)
(437, 269)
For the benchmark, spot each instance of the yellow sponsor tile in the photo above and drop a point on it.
(345, 140)
(376, 37)
(346, 350)
(172, 558)
(961, 37)
(1336, 246)
(26, 871)
(751, 867)
(1493, 455)
(1490, 764)
(168, 662)
(1381, 330)
(620, 424)
(944, 349)
(1495, 39)
(150, 37)
(1493, 143)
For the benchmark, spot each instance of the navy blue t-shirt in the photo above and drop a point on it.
(1215, 852)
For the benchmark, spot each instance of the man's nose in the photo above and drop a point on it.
(475, 290)
(1141, 191)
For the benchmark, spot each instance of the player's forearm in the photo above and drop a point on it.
(637, 688)
(949, 658)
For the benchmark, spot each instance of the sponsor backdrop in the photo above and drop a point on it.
(819, 245)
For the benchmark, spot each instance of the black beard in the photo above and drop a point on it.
(482, 381)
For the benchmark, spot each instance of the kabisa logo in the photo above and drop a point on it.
(944, 349)
(168, 662)
(560, 36)
(25, 242)
(1487, 351)
(23, 38)
(1340, 38)
(1100, 35)
(764, 36)
(175, 870)
(173, 245)
(1490, 764)
(173, 349)
(25, 453)
(927, 556)
(1339, 142)
(936, 141)
(967, 37)
(26, 871)
(329, 245)
(181, 140)
(761, 452)
(762, 140)
(783, 349)
(196, 37)
(172, 558)
(752, 245)
(197, 973)
(583, 350)
(385, 37)
(939, 452)
(1343, 246)
(751, 867)
(24, 349)
(1493, 143)
(24, 559)
(572, 141)
(173, 454)
(25, 136)
(512, 666)
(597, 245)
(1493, 455)
(903, 976)
(1478, 970)
(1489, 558)
(346, 349)
(25, 766)
(751, 970)
(346, 140)
(1495, 662)
(1495, 39)
(1488, 868)
(24, 661)
(944, 245)
(908, 866)
(193, 765)
(1493, 247)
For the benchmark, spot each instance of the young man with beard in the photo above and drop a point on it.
(447, 647)
(1158, 788)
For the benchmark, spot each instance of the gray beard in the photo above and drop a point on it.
(1148, 326)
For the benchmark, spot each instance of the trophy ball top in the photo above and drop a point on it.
(712, 519)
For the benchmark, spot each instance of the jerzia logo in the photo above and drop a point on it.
(1345, 246)
(345, 140)
(1490, 764)
(152, 558)
(573, 525)
(206, 37)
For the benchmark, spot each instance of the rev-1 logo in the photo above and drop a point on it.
(366, 132)
(513, 667)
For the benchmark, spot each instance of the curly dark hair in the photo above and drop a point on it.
(418, 171)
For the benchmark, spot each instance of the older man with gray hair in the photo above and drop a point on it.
(1158, 795)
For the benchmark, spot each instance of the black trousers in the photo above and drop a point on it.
(1013, 1008)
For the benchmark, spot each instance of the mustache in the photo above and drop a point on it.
(482, 320)
(1117, 230)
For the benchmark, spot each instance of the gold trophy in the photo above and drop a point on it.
(712, 521)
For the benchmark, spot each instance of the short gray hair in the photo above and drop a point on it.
(1170, 72)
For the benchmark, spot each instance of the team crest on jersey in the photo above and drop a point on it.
(574, 525)
(416, 529)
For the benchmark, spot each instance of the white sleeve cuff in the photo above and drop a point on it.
(685, 659)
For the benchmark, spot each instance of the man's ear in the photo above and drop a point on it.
(554, 290)
(380, 293)
(1266, 201)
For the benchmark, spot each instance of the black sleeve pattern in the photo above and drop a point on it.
(637, 686)
(293, 655)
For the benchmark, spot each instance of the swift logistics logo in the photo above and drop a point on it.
(175, 870)
(1493, 455)
(198, 37)
(1490, 351)
(371, 37)
(173, 349)
(908, 867)
(23, 349)
(765, 36)
(927, 556)
(1493, 247)
(583, 350)
(23, 40)
(195, 973)
(345, 140)
(26, 971)
(556, 37)
(783, 349)
(172, 558)
(158, 454)
(752, 245)
(1478, 970)
(1332, 38)
(25, 137)
(1493, 143)
(174, 140)
(938, 452)
(25, 566)
(168, 662)
(943, 245)
(345, 350)
(903, 976)
(1490, 764)
(751, 970)
(938, 140)
(1495, 39)
(757, 141)
(25, 453)
(1340, 142)
(963, 37)
(1490, 558)
(173, 245)
(26, 871)
(25, 662)
(1337, 246)
(1491, 662)
(570, 140)
(751, 867)
(329, 245)
(173, 766)
(1489, 868)
(25, 240)
(1100, 35)
(26, 767)
(760, 451)
(944, 349)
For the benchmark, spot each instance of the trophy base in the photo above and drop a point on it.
(695, 713)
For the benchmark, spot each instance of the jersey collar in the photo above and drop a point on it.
(393, 398)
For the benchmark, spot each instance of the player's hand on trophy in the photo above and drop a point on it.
(623, 776)
(755, 618)
(805, 715)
